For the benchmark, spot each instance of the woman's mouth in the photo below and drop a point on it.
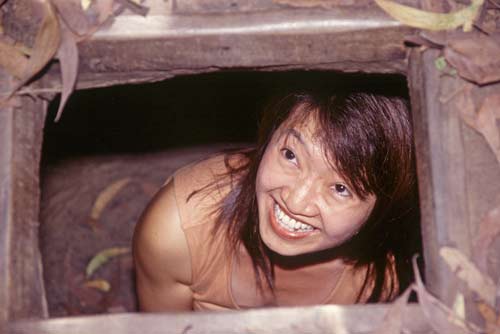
(288, 227)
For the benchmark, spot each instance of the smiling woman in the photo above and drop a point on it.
(322, 210)
(304, 203)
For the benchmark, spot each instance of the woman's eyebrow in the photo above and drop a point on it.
(296, 134)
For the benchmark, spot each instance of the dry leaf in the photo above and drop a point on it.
(45, 47)
(433, 21)
(85, 4)
(99, 284)
(84, 22)
(440, 317)
(105, 196)
(135, 6)
(393, 319)
(73, 282)
(485, 122)
(489, 229)
(490, 317)
(105, 10)
(459, 305)
(476, 58)
(467, 271)
(104, 256)
(76, 18)
(68, 57)
(13, 60)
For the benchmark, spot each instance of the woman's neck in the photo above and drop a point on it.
(303, 260)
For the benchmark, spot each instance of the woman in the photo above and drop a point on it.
(322, 210)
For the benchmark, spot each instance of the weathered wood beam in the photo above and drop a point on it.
(345, 39)
(21, 283)
(368, 39)
(231, 6)
(317, 319)
(458, 173)
(441, 172)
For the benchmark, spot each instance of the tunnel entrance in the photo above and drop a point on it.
(112, 150)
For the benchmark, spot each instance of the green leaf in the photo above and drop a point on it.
(433, 21)
(104, 256)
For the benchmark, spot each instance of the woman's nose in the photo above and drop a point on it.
(301, 198)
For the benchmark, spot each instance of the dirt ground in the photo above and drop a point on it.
(91, 204)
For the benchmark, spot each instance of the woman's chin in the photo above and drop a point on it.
(279, 247)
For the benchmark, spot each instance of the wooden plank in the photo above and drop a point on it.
(230, 6)
(440, 166)
(310, 38)
(315, 319)
(456, 168)
(21, 283)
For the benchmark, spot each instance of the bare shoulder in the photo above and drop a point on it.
(162, 255)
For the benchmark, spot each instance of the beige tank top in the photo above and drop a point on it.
(222, 280)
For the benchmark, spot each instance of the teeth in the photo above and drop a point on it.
(289, 223)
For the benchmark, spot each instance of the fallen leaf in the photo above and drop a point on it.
(104, 197)
(489, 229)
(440, 317)
(44, 48)
(104, 256)
(68, 57)
(74, 16)
(13, 60)
(105, 10)
(86, 297)
(487, 312)
(476, 58)
(99, 284)
(72, 281)
(459, 305)
(135, 6)
(433, 21)
(485, 122)
(86, 4)
(467, 271)
(393, 319)
(490, 317)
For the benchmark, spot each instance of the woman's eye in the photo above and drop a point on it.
(342, 190)
(289, 155)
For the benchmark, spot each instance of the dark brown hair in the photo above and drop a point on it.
(368, 137)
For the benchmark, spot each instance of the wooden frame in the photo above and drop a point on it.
(347, 38)
(22, 293)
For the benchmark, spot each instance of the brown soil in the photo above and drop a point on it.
(70, 239)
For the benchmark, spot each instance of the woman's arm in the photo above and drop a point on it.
(162, 259)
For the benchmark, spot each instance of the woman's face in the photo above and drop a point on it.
(304, 204)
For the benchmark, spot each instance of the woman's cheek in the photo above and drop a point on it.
(344, 224)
